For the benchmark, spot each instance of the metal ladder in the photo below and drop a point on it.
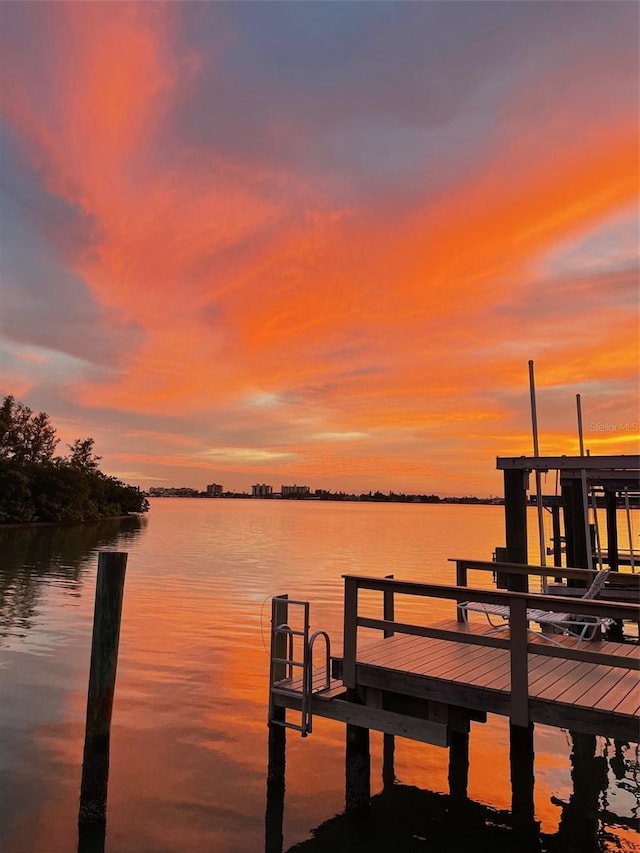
(284, 665)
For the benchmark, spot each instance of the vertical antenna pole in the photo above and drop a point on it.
(580, 433)
(585, 497)
(534, 427)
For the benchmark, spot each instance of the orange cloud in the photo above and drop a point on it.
(267, 301)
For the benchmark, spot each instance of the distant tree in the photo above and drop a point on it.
(61, 493)
(25, 437)
(82, 457)
(15, 494)
(35, 485)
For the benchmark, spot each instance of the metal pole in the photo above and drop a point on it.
(580, 434)
(534, 426)
(585, 496)
(594, 506)
(628, 511)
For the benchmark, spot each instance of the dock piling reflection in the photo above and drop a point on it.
(458, 765)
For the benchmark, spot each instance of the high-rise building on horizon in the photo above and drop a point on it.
(261, 490)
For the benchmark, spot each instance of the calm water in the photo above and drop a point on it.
(189, 738)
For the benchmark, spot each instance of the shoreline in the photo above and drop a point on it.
(9, 525)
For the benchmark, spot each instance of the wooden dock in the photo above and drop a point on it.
(430, 680)
(425, 681)
(589, 697)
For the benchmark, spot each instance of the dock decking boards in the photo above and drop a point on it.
(596, 697)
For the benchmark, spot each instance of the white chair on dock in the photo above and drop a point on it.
(574, 624)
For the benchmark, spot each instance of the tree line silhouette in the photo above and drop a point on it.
(36, 485)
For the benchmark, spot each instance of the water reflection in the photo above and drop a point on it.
(31, 556)
(585, 813)
(406, 819)
(189, 739)
(91, 838)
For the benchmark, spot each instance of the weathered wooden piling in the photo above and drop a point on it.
(358, 768)
(102, 682)
(388, 741)
(611, 504)
(515, 511)
(458, 765)
(276, 762)
(92, 837)
(274, 815)
(521, 761)
(573, 500)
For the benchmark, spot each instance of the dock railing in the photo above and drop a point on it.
(509, 571)
(621, 586)
(517, 644)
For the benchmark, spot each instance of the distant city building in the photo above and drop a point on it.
(173, 492)
(214, 490)
(261, 490)
(294, 491)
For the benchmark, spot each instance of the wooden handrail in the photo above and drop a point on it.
(560, 603)
(525, 569)
(541, 648)
(518, 645)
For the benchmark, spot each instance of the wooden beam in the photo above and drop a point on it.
(625, 462)
(585, 574)
(617, 479)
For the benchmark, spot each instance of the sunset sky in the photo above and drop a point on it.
(319, 242)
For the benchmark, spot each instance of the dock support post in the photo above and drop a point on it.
(458, 765)
(557, 537)
(276, 762)
(274, 816)
(515, 511)
(388, 761)
(388, 741)
(358, 768)
(521, 760)
(102, 682)
(611, 503)
(567, 511)
(574, 528)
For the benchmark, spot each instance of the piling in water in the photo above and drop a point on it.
(102, 682)
(358, 768)
(521, 760)
(458, 765)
